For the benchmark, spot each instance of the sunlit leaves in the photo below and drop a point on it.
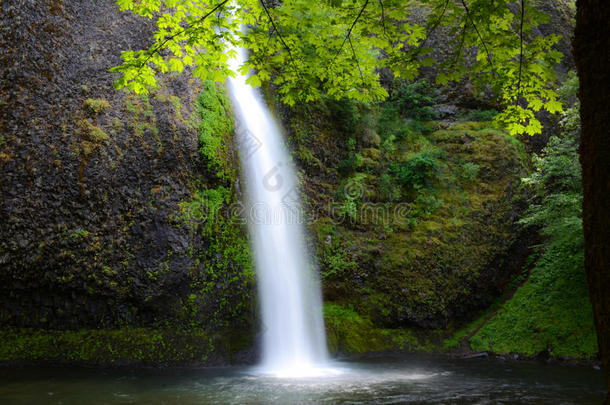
(303, 48)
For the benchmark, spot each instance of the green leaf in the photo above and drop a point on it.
(176, 65)
(553, 106)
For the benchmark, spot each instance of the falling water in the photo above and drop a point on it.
(294, 343)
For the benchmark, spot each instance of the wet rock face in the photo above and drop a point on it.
(91, 178)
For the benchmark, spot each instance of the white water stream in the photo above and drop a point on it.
(294, 343)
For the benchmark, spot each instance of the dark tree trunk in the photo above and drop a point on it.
(592, 55)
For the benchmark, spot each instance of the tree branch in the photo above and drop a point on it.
(521, 52)
(349, 32)
(383, 18)
(357, 62)
(410, 57)
(171, 37)
(478, 33)
(272, 21)
(459, 51)
(434, 26)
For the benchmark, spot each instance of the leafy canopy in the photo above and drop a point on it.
(307, 48)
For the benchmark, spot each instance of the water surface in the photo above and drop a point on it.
(412, 379)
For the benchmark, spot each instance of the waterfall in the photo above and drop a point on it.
(294, 343)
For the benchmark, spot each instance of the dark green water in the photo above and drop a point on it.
(389, 380)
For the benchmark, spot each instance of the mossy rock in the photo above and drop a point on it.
(96, 106)
(93, 133)
(371, 153)
(126, 346)
(436, 241)
(348, 333)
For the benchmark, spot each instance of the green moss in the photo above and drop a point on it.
(549, 313)
(96, 105)
(372, 154)
(104, 347)
(97, 135)
(426, 213)
(434, 246)
(117, 124)
(204, 208)
(176, 104)
(92, 133)
(79, 234)
(479, 115)
(466, 331)
(141, 116)
(215, 129)
(348, 333)
(223, 276)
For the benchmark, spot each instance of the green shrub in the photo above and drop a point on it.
(215, 128)
(479, 115)
(205, 207)
(351, 192)
(406, 110)
(418, 171)
(352, 162)
(336, 264)
(426, 204)
(414, 100)
(387, 187)
(345, 115)
(469, 171)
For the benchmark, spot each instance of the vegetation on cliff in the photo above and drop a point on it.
(97, 239)
(410, 218)
(540, 308)
(118, 243)
(551, 312)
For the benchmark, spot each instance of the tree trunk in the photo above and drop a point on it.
(592, 55)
